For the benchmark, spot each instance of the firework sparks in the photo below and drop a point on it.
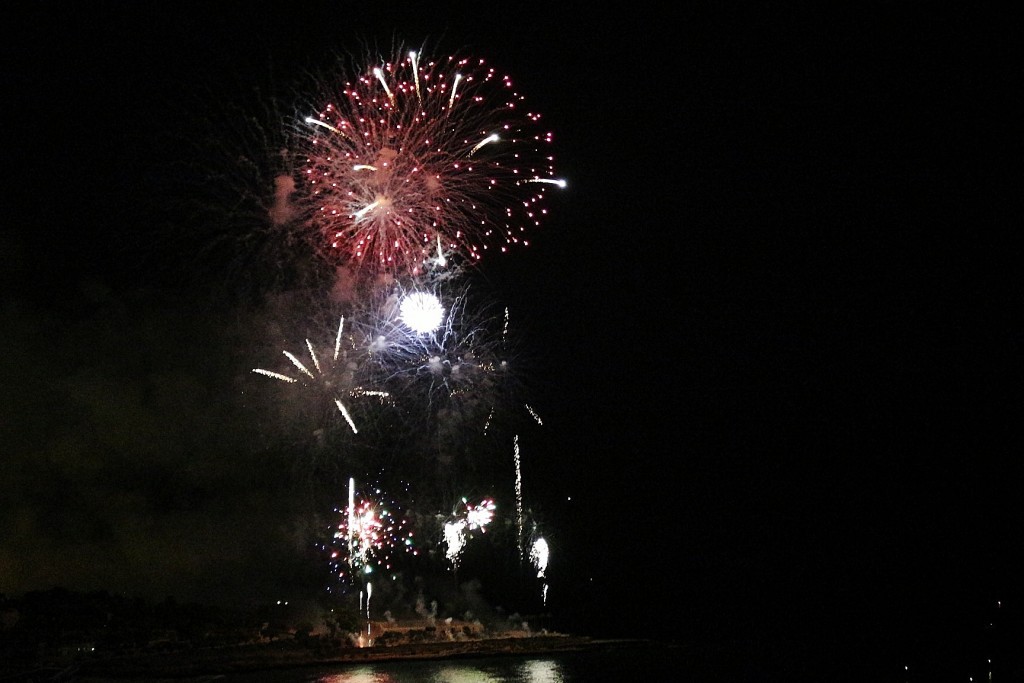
(480, 515)
(456, 531)
(454, 541)
(460, 360)
(406, 172)
(539, 554)
(371, 533)
(519, 495)
(422, 312)
(417, 347)
(416, 152)
(338, 376)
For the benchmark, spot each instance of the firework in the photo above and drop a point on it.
(372, 532)
(519, 494)
(342, 373)
(539, 554)
(472, 517)
(401, 176)
(390, 401)
(460, 365)
(422, 312)
(480, 515)
(454, 541)
(414, 158)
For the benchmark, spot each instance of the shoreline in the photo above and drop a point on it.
(281, 655)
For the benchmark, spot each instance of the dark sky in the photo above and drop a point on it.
(776, 313)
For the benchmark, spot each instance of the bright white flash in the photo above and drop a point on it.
(493, 137)
(455, 87)
(275, 375)
(441, 261)
(345, 414)
(380, 77)
(550, 181)
(298, 364)
(539, 556)
(413, 57)
(358, 215)
(422, 312)
(481, 515)
(454, 540)
(322, 124)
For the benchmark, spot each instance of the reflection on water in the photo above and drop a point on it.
(528, 671)
(541, 671)
(362, 674)
(637, 662)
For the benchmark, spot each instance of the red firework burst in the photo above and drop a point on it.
(418, 161)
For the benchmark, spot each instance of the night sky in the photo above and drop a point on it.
(774, 320)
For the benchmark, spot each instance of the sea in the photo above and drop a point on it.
(643, 662)
(622, 661)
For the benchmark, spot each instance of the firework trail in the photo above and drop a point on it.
(350, 511)
(519, 495)
(415, 158)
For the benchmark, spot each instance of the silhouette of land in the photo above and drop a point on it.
(60, 634)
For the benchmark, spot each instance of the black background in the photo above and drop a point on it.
(777, 307)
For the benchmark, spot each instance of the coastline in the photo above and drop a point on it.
(257, 657)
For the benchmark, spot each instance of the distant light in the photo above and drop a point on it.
(422, 312)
